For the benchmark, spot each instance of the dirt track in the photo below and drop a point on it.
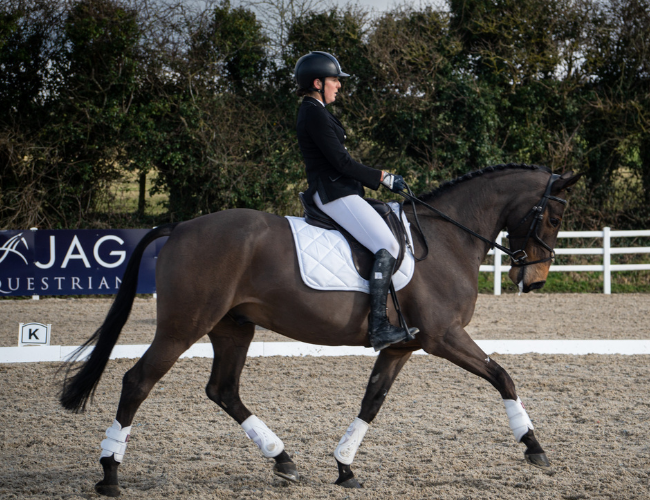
(442, 432)
(531, 316)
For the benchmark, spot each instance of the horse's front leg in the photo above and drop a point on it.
(388, 365)
(459, 348)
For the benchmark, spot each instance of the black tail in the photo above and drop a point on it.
(79, 387)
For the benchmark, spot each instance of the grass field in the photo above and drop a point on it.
(125, 196)
(574, 282)
(584, 282)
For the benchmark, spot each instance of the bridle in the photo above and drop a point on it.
(519, 256)
(533, 231)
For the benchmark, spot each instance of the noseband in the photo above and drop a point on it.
(519, 256)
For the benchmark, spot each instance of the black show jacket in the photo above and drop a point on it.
(331, 171)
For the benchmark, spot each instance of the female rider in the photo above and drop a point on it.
(336, 184)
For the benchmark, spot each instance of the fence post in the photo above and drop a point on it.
(497, 267)
(607, 253)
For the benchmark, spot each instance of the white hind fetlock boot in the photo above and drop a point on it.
(270, 444)
(350, 442)
(115, 443)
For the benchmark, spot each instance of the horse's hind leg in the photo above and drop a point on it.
(230, 342)
(459, 348)
(136, 385)
(387, 367)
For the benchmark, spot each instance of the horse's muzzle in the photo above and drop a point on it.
(534, 286)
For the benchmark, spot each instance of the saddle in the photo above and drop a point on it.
(362, 257)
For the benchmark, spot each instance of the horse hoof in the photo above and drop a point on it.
(351, 483)
(540, 461)
(287, 471)
(108, 490)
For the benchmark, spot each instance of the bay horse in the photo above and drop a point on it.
(223, 273)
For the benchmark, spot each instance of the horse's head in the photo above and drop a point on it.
(533, 231)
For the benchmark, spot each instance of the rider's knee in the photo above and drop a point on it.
(392, 248)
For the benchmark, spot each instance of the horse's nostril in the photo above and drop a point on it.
(534, 286)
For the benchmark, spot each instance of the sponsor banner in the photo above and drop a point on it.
(67, 262)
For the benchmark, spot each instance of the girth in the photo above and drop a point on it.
(362, 257)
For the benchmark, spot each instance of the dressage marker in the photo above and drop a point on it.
(34, 334)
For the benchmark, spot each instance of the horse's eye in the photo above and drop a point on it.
(554, 221)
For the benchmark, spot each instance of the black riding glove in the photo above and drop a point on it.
(394, 182)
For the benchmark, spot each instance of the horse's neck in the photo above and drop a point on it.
(479, 205)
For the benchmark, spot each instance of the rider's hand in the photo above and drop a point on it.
(394, 182)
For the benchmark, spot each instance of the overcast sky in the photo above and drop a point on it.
(375, 4)
(381, 5)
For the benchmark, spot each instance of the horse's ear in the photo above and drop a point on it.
(565, 182)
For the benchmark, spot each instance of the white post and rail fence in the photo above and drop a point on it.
(606, 250)
(88, 262)
(84, 245)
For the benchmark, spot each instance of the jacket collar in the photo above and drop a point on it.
(312, 100)
(316, 102)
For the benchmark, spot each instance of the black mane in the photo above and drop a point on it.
(477, 173)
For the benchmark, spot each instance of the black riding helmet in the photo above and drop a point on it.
(316, 65)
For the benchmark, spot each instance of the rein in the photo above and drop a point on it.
(519, 256)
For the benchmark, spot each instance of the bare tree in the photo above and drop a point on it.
(277, 17)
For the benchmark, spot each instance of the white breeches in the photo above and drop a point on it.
(359, 219)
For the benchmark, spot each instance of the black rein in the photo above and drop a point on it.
(518, 256)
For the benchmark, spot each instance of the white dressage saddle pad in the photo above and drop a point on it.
(325, 258)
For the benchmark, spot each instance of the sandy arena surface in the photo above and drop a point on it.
(442, 432)
(529, 316)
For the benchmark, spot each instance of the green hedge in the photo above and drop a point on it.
(203, 101)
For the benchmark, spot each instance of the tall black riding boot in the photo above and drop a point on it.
(381, 332)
